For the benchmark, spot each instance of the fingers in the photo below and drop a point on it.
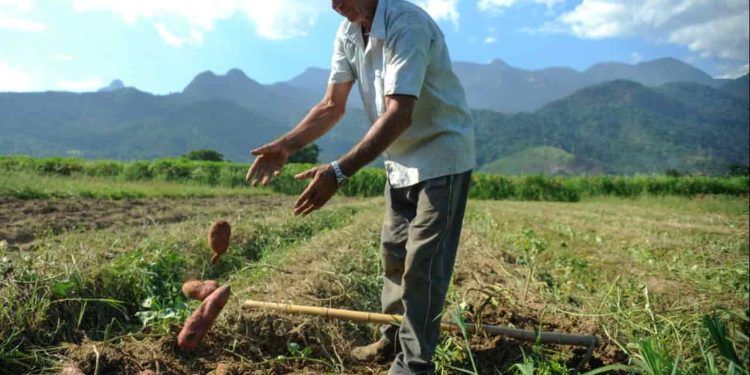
(267, 178)
(262, 150)
(309, 209)
(307, 206)
(251, 172)
(310, 173)
(305, 196)
(313, 203)
(261, 172)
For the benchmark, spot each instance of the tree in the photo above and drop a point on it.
(308, 154)
(205, 155)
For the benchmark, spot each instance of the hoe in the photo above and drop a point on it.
(590, 342)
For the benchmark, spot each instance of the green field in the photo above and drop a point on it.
(91, 268)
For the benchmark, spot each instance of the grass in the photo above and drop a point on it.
(661, 280)
(124, 281)
(645, 271)
(369, 182)
(24, 185)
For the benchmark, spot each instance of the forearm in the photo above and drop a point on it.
(316, 123)
(382, 133)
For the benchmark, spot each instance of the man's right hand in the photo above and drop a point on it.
(268, 163)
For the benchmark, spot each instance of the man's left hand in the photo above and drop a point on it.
(322, 187)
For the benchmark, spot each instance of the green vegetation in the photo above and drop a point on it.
(535, 160)
(204, 155)
(622, 127)
(309, 154)
(39, 178)
(24, 185)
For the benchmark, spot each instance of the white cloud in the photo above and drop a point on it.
(199, 13)
(284, 19)
(635, 58)
(277, 19)
(88, 84)
(731, 72)
(21, 5)
(499, 5)
(20, 24)
(13, 79)
(441, 10)
(490, 40)
(707, 27)
(64, 57)
(13, 16)
(173, 40)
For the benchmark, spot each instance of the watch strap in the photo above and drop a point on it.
(340, 176)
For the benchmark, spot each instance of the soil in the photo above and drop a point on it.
(24, 222)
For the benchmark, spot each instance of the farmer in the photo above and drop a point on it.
(422, 126)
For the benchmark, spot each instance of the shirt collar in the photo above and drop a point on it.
(378, 23)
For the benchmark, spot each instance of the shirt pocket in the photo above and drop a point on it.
(379, 92)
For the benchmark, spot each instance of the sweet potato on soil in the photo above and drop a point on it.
(222, 369)
(199, 289)
(71, 370)
(218, 238)
(201, 320)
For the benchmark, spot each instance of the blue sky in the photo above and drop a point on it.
(160, 45)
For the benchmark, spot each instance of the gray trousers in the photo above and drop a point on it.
(419, 240)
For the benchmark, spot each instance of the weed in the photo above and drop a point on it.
(530, 245)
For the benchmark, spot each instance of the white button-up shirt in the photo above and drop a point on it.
(407, 55)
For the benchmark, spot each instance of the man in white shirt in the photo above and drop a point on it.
(422, 126)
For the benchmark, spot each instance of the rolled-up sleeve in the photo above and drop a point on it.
(341, 69)
(407, 57)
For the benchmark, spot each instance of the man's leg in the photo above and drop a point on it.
(433, 237)
(399, 212)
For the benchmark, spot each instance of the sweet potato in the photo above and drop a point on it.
(201, 320)
(222, 369)
(71, 370)
(218, 238)
(199, 289)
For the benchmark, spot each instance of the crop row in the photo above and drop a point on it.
(370, 181)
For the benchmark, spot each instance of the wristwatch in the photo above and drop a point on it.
(341, 178)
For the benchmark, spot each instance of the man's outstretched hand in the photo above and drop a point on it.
(268, 163)
(322, 187)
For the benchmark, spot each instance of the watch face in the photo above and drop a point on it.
(343, 181)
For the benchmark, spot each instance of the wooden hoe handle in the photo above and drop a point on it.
(368, 317)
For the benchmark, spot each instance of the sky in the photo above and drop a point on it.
(158, 46)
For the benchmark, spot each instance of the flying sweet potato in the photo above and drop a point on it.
(199, 289)
(201, 320)
(218, 238)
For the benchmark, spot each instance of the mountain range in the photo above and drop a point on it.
(612, 117)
